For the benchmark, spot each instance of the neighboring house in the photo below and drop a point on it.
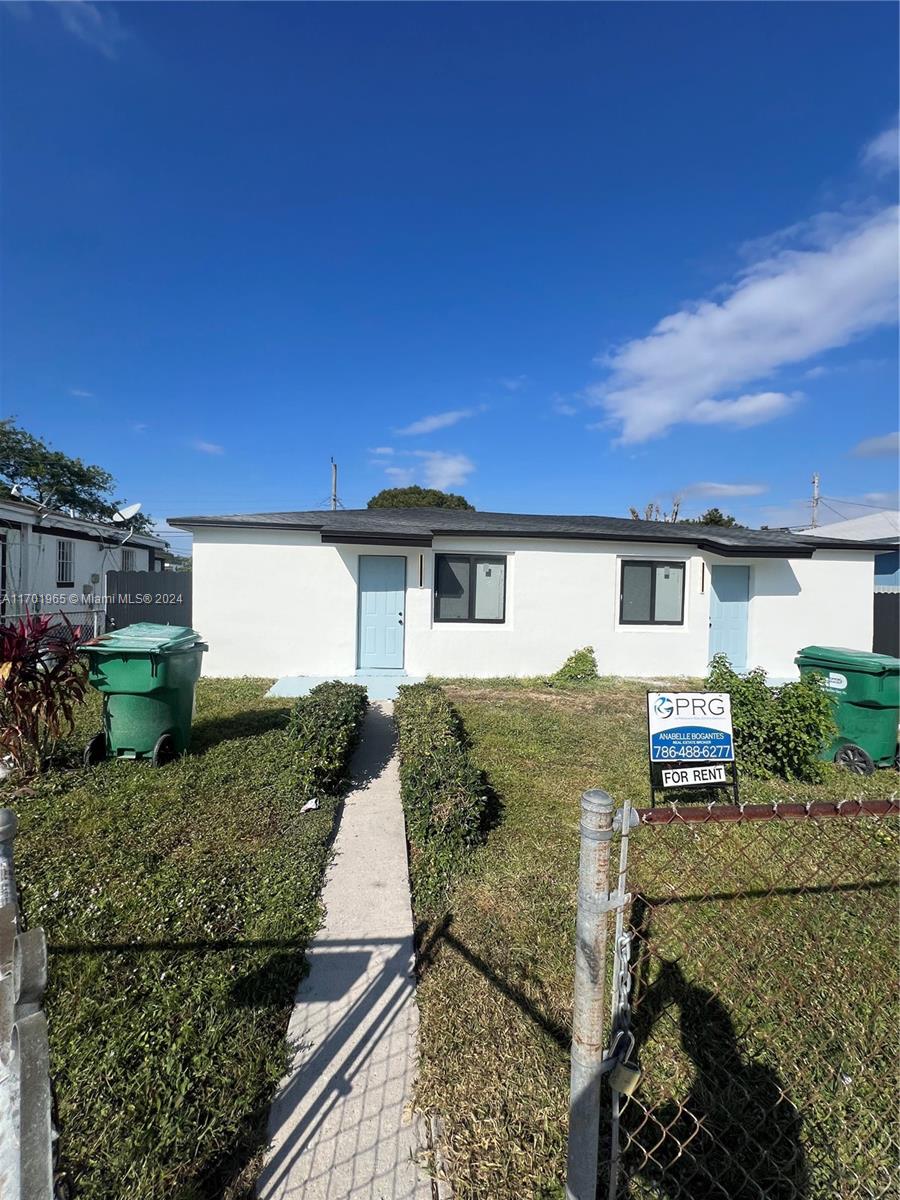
(452, 592)
(879, 528)
(50, 561)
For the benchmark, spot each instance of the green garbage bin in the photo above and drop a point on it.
(865, 689)
(147, 674)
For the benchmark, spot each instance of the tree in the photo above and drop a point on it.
(418, 497)
(715, 516)
(55, 479)
(652, 512)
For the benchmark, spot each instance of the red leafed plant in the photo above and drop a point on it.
(42, 679)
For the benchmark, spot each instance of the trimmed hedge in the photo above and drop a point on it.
(327, 723)
(777, 731)
(445, 797)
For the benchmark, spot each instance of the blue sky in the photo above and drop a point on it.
(559, 257)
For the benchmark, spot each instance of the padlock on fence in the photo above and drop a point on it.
(624, 1078)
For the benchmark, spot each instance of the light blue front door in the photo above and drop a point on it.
(382, 610)
(729, 605)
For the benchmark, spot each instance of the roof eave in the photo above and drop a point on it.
(191, 523)
(376, 539)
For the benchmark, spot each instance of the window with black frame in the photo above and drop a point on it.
(470, 587)
(65, 559)
(651, 592)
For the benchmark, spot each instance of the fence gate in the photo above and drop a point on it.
(163, 597)
(753, 1005)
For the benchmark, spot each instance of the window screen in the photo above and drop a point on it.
(65, 559)
(451, 588)
(470, 587)
(652, 593)
(127, 560)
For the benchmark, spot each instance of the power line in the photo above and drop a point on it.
(858, 503)
(830, 509)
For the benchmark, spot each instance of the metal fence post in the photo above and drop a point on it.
(26, 1118)
(7, 873)
(590, 979)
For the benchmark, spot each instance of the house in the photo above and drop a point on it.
(52, 561)
(454, 592)
(880, 528)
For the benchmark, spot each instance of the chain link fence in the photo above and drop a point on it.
(90, 622)
(752, 1054)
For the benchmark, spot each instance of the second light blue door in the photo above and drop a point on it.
(382, 611)
(729, 606)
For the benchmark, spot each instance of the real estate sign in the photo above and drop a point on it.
(691, 731)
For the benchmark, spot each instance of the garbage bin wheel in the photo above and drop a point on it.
(95, 750)
(854, 759)
(164, 750)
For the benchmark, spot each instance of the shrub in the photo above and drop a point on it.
(326, 722)
(777, 731)
(42, 679)
(580, 666)
(445, 797)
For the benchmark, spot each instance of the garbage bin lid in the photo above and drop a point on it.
(853, 660)
(147, 637)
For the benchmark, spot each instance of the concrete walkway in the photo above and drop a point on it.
(341, 1125)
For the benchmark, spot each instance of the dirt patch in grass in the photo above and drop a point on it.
(177, 904)
(496, 983)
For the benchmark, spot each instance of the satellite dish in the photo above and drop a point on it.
(126, 513)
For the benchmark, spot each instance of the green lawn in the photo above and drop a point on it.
(785, 994)
(177, 904)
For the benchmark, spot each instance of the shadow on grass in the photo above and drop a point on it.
(428, 941)
(247, 723)
(736, 1134)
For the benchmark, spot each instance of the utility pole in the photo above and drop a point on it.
(334, 499)
(815, 500)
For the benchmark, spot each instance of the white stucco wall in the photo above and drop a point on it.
(826, 600)
(281, 603)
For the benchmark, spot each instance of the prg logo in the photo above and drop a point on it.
(663, 707)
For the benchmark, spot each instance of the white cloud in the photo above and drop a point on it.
(382, 450)
(563, 407)
(787, 307)
(724, 489)
(882, 154)
(877, 447)
(436, 468)
(98, 26)
(753, 409)
(437, 421)
(81, 393)
(208, 447)
(443, 470)
(514, 383)
(816, 372)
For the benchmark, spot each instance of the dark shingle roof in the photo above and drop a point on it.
(417, 526)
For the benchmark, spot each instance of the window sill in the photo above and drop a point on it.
(658, 627)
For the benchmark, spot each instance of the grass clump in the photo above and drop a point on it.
(777, 731)
(579, 667)
(445, 799)
(177, 904)
(326, 722)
